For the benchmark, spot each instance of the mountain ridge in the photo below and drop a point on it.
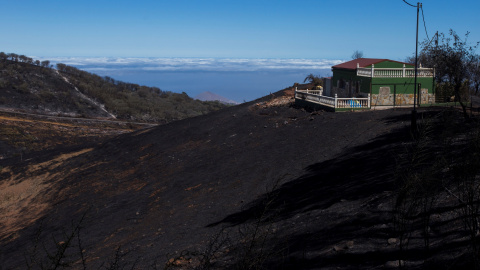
(37, 87)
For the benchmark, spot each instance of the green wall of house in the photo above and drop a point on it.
(403, 85)
(351, 75)
(342, 74)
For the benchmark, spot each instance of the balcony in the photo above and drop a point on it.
(332, 102)
(395, 72)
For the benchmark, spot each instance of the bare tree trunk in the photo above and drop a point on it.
(457, 97)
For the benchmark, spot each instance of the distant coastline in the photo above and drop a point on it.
(234, 78)
(193, 64)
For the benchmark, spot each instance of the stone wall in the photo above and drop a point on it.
(385, 98)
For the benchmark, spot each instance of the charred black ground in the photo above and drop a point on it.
(318, 188)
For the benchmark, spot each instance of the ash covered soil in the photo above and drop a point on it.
(259, 185)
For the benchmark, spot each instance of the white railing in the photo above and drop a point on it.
(394, 72)
(352, 102)
(315, 92)
(333, 102)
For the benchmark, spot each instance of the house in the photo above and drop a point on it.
(388, 82)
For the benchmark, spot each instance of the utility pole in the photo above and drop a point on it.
(414, 112)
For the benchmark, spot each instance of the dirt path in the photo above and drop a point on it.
(88, 99)
(53, 117)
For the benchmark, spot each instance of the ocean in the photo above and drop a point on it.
(239, 86)
(240, 80)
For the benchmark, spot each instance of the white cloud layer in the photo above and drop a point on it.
(193, 64)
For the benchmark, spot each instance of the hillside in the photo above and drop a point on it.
(261, 185)
(36, 87)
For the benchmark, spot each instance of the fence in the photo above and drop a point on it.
(333, 102)
(394, 72)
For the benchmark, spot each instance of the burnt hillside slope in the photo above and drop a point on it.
(31, 86)
(256, 185)
(42, 90)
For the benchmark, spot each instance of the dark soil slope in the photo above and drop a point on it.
(319, 183)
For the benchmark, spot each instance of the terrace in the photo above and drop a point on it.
(331, 103)
(394, 72)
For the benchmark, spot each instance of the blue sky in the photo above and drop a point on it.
(304, 29)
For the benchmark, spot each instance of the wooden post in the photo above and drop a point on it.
(335, 104)
(373, 70)
(403, 71)
(368, 100)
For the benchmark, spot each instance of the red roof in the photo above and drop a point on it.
(363, 62)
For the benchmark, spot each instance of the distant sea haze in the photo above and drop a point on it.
(236, 79)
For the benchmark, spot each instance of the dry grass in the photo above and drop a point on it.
(16, 119)
(22, 134)
(25, 196)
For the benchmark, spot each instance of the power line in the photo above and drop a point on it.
(424, 24)
(423, 17)
(436, 35)
(409, 3)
